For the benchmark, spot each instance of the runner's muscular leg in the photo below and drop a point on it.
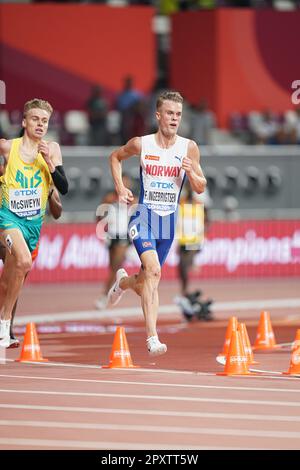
(17, 264)
(145, 284)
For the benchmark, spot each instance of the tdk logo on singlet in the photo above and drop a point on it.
(161, 185)
(26, 192)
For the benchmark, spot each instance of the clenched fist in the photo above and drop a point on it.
(187, 165)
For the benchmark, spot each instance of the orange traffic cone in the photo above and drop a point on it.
(236, 362)
(265, 338)
(31, 350)
(232, 325)
(296, 342)
(120, 354)
(246, 342)
(295, 363)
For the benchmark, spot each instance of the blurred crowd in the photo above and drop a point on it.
(167, 7)
(106, 122)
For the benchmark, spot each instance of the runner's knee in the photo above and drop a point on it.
(24, 264)
(153, 272)
(3, 286)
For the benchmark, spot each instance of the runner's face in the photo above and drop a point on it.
(169, 117)
(36, 123)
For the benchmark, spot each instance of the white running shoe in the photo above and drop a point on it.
(5, 333)
(101, 303)
(115, 293)
(14, 342)
(155, 347)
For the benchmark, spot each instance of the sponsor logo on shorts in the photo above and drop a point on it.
(146, 244)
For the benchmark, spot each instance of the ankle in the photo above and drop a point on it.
(149, 337)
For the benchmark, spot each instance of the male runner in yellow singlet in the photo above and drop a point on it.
(55, 209)
(32, 165)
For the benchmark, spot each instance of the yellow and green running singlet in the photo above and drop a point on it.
(24, 193)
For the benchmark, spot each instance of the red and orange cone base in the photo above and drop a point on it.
(246, 342)
(265, 338)
(120, 355)
(31, 351)
(236, 361)
(295, 363)
(296, 342)
(232, 325)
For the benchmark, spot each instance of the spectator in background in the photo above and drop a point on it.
(126, 100)
(137, 124)
(97, 108)
(2, 133)
(117, 240)
(193, 222)
(292, 127)
(192, 225)
(202, 122)
(265, 128)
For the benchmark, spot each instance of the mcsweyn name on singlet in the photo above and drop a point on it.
(25, 202)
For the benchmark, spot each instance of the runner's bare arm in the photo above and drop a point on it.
(132, 148)
(55, 205)
(5, 146)
(52, 156)
(191, 165)
(51, 153)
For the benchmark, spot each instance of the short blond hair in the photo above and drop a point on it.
(169, 96)
(37, 103)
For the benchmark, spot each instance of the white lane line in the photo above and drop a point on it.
(179, 414)
(155, 397)
(152, 429)
(230, 306)
(121, 370)
(104, 445)
(276, 374)
(152, 384)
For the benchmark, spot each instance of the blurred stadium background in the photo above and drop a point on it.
(101, 66)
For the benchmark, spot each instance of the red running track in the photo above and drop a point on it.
(173, 402)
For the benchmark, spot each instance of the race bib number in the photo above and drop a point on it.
(25, 202)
